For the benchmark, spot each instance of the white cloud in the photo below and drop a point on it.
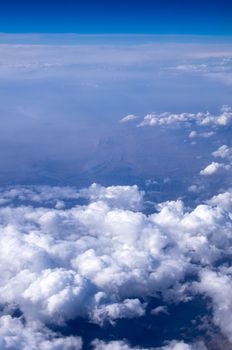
(121, 345)
(15, 335)
(224, 152)
(128, 197)
(129, 308)
(193, 134)
(218, 286)
(213, 168)
(123, 197)
(201, 118)
(39, 194)
(192, 67)
(100, 260)
(224, 200)
(128, 118)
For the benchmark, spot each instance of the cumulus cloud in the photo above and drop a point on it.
(218, 285)
(200, 118)
(224, 152)
(224, 200)
(213, 168)
(15, 335)
(124, 197)
(129, 308)
(100, 260)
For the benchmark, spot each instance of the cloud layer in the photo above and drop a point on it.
(103, 259)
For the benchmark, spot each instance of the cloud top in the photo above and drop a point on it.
(100, 260)
(201, 118)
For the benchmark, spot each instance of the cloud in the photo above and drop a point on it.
(39, 194)
(217, 285)
(129, 308)
(160, 310)
(69, 256)
(95, 252)
(223, 200)
(200, 118)
(192, 67)
(15, 335)
(213, 168)
(120, 345)
(223, 152)
(195, 188)
(124, 197)
(217, 68)
(193, 134)
(45, 51)
(128, 118)
(102, 259)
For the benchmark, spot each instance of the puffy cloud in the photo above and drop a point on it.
(223, 152)
(15, 335)
(124, 197)
(102, 259)
(68, 256)
(213, 168)
(200, 118)
(129, 308)
(39, 194)
(218, 285)
(223, 200)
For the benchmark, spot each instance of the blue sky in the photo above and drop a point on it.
(102, 16)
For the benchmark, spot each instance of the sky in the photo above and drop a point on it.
(61, 105)
(115, 175)
(196, 17)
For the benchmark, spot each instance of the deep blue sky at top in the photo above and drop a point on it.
(204, 17)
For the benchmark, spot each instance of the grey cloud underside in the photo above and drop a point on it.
(103, 259)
